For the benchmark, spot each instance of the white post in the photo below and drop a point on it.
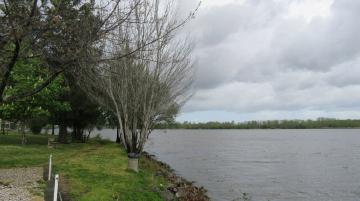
(50, 165)
(56, 186)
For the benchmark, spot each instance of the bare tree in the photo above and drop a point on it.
(145, 76)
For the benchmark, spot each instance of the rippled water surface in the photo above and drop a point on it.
(275, 165)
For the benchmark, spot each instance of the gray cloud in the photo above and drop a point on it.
(324, 42)
(253, 57)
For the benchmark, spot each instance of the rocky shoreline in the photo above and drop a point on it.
(179, 188)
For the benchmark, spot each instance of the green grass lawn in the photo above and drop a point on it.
(95, 171)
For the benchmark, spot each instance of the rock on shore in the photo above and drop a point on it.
(180, 189)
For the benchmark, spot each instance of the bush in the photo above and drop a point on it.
(35, 128)
(36, 124)
(99, 140)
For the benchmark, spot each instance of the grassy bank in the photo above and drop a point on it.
(94, 171)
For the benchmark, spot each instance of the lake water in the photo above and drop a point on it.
(275, 165)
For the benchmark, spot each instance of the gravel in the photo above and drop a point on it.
(14, 183)
(11, 193)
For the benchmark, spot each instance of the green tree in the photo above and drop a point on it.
(59, 31)
(27, 75)
(84, 115)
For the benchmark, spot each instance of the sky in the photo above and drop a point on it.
(274, 59)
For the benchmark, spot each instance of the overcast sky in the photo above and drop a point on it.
(275, 59)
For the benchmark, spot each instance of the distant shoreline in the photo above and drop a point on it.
(257, 128)
(321, 123)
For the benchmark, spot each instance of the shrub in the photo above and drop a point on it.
(36, 124)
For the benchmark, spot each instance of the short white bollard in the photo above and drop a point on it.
(50, 165)
(56, 187)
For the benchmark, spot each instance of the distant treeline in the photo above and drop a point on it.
(271, 124)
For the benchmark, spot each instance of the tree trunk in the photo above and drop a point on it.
(88, 136)
(63, 133)
(53, 129)
(78, 134)
(23, 134)
(23, 140)
(118, 140)
(3, 127)
(133, 164)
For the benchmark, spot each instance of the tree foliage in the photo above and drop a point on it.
(27, 75)
(58, 32)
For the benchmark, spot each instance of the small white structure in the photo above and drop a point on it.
(50, 166)
(56, 187)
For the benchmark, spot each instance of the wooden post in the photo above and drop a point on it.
(50, 166)
(56, 187)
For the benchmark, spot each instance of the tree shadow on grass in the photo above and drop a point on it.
(15, 139)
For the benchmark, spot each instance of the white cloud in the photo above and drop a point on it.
(310, 9)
